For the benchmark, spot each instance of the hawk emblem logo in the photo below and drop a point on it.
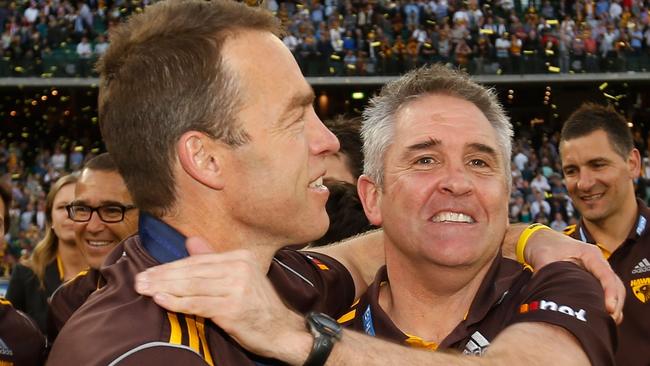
(641, 289)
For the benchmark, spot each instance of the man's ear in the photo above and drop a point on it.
(199, 157)
(370, 196)
(634, 163)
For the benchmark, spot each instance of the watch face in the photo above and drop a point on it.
(325, 324)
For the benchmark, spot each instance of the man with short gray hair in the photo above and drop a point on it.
(437, 178)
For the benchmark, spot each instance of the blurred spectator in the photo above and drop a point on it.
(31, 13)
(85, 52)
(27, 217)
(55, 259)
(291, 41)
(539, 205)
(41, 216)
(502, 46)
(558, 223)
(520, 159)
(76, 158)
(516, 207)
(101, 45)
(525, 216)
(540, 183)
(58, 159)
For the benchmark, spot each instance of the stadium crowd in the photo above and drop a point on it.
(57, 38)
(346, 37)
(482, 37)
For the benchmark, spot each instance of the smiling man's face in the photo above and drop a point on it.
(444, 198)
(598, 179)
(95, 237)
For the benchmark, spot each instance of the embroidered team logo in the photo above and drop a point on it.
(552, 306)
(477, 345)
(642, 267)
(4, 349)
(641, 289)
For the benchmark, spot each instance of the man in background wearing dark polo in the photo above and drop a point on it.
(600, 166)
(21, 341)
(103, 215)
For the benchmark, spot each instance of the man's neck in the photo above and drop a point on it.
(429, 301)
(73, 261)
(612, 231)
(223, 234)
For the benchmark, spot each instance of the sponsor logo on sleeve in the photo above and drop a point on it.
(4, 349)
(318, 263)
(641, 289)
(642, 267)
(553, 306)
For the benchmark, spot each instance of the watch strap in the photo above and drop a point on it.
(320, 351)
(326, 332)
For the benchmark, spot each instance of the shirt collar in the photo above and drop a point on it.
(639, 228)
(373, 315)
(495, 287)
(498, 280)
(162, 242)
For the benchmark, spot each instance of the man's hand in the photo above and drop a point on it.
(547, 246)
(230, 289)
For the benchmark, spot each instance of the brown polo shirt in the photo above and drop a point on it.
(21, 342)
(631, 262)
(560, 294)
(68, 298)
(117, 326)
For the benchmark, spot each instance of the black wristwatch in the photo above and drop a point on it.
(326, 332)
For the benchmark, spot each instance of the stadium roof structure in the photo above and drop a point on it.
(372, 80)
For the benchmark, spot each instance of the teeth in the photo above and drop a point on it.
(318, 183)
(592, 197)
(452, 217)
(96, 243)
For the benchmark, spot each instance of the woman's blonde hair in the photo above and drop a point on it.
(45, 251)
